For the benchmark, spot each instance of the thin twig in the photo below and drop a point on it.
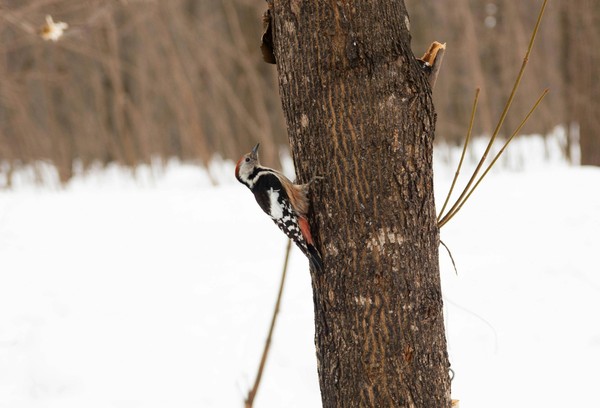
(462, 156)
(450, 254)
(248, 403)
(449, 216)
(502, 117)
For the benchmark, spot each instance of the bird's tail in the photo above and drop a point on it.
(314, 258)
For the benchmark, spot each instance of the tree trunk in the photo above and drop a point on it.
(359, 114)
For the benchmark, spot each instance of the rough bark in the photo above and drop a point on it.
(359, 113)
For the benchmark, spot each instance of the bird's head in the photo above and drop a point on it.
(246, 165)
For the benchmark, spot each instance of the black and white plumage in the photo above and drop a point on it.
(285, 202)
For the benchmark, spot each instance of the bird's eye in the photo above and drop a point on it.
(247, 159)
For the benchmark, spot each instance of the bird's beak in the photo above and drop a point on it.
(255, 151)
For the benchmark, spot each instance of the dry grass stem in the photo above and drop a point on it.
(464, 151)
(449, 216)
(467, 190)
(248, 403)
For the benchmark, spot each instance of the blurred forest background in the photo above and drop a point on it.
(133, 81)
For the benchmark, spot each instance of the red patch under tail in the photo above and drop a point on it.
(313, 254)
(305, 229)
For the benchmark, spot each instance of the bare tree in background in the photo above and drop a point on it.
(360, 114)
(131, 81)
(134, 81)
(487, 39)
(581, 52)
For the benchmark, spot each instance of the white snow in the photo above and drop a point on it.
(147, 292)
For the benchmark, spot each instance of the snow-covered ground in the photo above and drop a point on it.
(157, 291)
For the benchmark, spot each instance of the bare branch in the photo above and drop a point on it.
(432, 61)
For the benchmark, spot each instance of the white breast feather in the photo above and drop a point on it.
(276, 207)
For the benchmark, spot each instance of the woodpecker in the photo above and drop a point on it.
(285, 202)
